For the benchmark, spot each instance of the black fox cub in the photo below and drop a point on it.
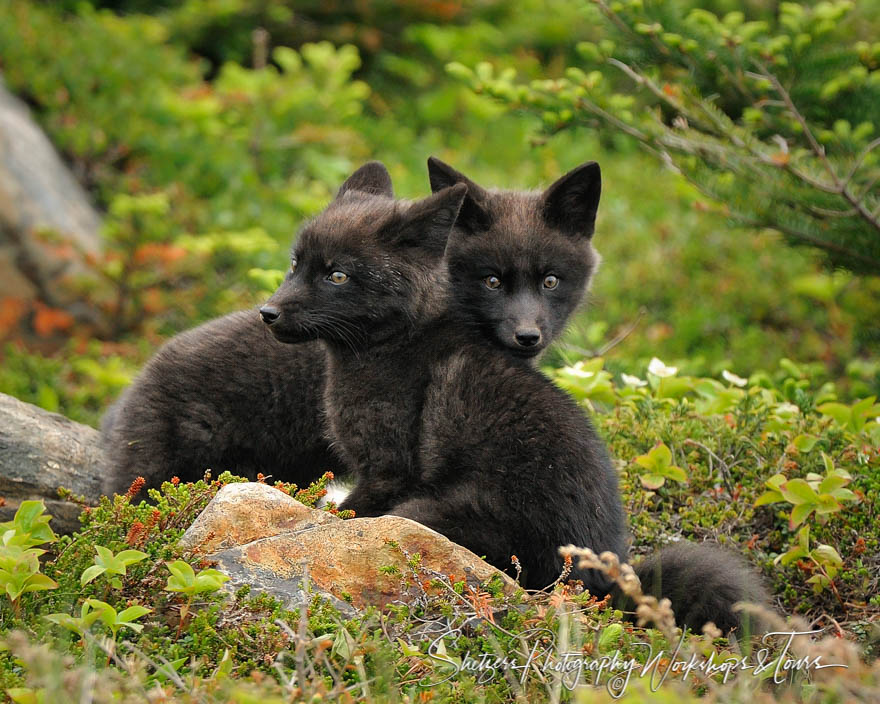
(227, 395)
(437, 425)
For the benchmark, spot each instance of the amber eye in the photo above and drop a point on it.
(492, 282)
(292, 265)
(551, 281)
(338, 277)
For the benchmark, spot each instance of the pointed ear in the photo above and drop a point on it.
(372, 178)
(570, 204)
(473, 216)
(427, 223)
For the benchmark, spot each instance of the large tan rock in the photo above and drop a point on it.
(355, 563)
(241, 513)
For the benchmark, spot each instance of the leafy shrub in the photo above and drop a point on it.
(775, 121)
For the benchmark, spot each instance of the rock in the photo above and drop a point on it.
(38, 194)
(242, 513)
(355, 563)
(41, 451)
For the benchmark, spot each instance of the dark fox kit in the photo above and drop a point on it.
(227, 395)
(432, 398)
(438, 426)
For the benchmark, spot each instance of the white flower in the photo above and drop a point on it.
(633, 381)
(578, 370)
(657, 368)
(733, 378)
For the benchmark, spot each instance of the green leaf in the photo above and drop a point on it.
(797, 491)
(675, 473)
(769, 497)
(803, 538)
(656, 459)
(610, 637)
(129, 557)
(825, 554)
(674, 386)
(791, 555)
(652, 480)
(839, 412)
(91, 573)
(343, 644)
(27, 513)
(776, 481)
(829, 464)
(105, 556)
(805, 443)
(39, 583)
(132, 613)
(844, 495)
(799, 514)
(831, 482)
(827, 504)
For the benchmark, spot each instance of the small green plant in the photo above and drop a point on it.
(19, 558)
(186, 581)
(108, 563)
(825, 559)
(854, 417)
(818, 493)
(658, 467)
(116, 621)
(587, 381)
(89, 613)
(29, 527)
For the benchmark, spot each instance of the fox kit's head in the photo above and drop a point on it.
(365, 267)
(520, 262)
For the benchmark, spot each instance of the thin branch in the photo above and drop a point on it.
(819, 150)
(796, 234)
(859, 159)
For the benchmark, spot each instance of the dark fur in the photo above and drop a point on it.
(703, 583)
(439, 428)
(521, 238)
(226, 395)
(443, 430)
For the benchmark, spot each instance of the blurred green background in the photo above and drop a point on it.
(207, 131)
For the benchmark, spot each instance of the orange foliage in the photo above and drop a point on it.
(11, 310)
(47, 320)
(155, 251)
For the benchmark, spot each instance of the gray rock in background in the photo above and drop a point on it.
(38, 193)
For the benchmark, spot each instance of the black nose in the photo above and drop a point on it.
(269, 314)
(527, 337)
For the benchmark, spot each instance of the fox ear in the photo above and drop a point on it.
(427, 223)
(372, 178)
(570, 204)
(473, 216)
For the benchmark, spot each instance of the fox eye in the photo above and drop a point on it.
(338, 277)
(492, 282)
(551, 281)
(292, 265)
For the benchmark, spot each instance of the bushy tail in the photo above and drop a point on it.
(703, 583)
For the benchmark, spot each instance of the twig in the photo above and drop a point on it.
(622, 335)
(819, 150)
(722, 465)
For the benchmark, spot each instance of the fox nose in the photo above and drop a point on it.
(527, 337)
(269, 314)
